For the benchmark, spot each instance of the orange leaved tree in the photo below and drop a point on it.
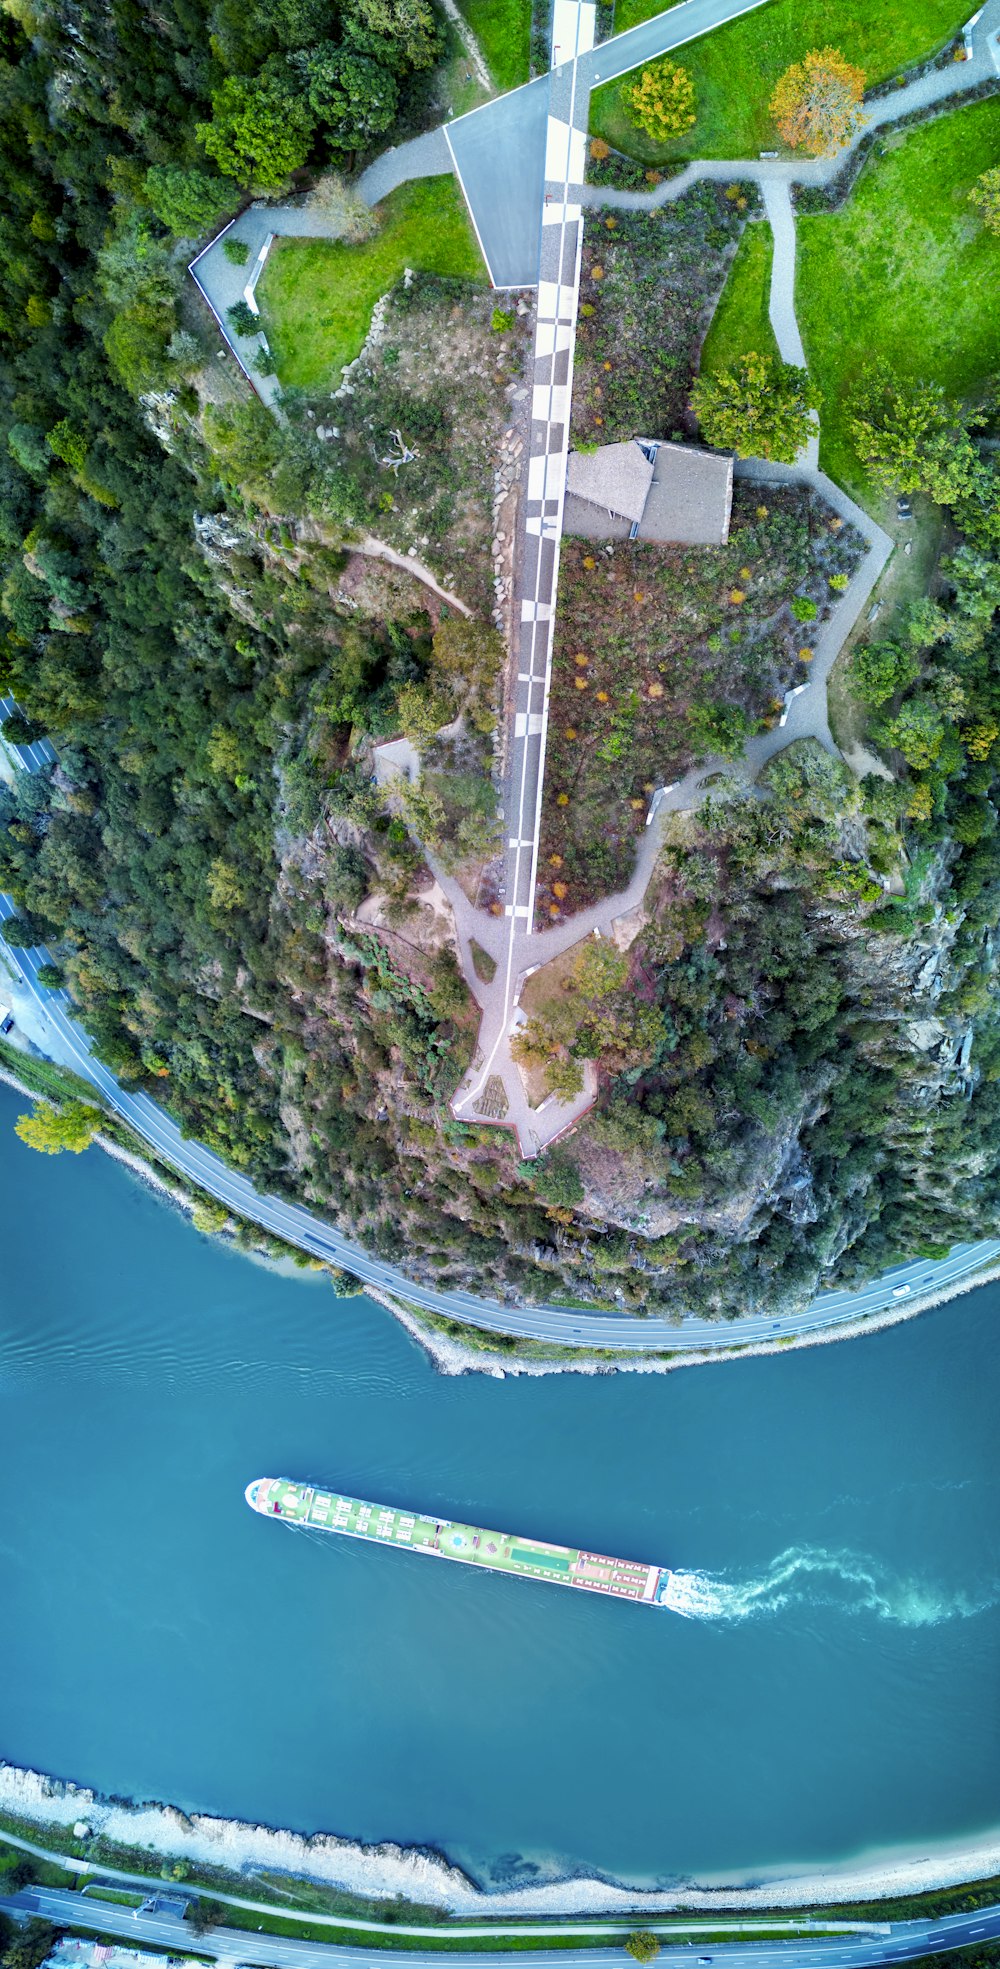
(817, 103)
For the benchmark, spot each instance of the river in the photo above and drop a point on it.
(833, 1691)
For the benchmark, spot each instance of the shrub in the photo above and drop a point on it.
(236, 250)
(804, 609)
(985, 196)
(244, 321)
(502, 320)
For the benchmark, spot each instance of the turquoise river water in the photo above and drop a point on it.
(833, 1690)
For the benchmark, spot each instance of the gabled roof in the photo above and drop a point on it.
(691, 497)
(685, 496)
(616, 477)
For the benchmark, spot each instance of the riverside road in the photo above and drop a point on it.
(66, 1042)
(904, 1941)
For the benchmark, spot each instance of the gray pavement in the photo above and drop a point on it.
(904, 1941)
(499, 155)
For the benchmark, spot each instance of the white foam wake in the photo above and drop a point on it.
(812, 1575)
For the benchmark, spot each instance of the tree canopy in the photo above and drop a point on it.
(50, 1130)
(911, 437)
(661, 102)
(760, 408)
(817, 102)
(261, 129)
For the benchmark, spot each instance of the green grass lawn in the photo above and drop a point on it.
(907, 271)
(503, 30)
(317, 295)
(741, 322)
(735, 68)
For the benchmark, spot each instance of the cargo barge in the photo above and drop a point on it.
(317, 1509)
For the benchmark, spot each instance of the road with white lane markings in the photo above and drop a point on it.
(905, 1941)
(621, 1332)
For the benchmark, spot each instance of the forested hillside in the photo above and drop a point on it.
(789, 1089)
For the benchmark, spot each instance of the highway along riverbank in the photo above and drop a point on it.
(828, 1693)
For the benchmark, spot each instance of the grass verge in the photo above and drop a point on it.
(503, 31)
(317, 295)
(483, 964)
(47, 1079)
(741, 322)
(734, 69)
(905, 271)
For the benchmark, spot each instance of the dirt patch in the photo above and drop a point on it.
(422, 428)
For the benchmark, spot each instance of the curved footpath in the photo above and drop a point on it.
(903, 1288)
(903, 1941)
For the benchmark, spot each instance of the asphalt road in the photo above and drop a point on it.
(906, 1940)
(564, 1326)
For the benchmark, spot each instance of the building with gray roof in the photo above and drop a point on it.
(648, 490)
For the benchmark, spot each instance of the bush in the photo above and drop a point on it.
(804, 609)
(556, 1178)
(236, 250)
(243, 318)
(502, 320)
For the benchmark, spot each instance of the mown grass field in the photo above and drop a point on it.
(905, 271)
(735, 68)
(741, 322)
(503, 31)
(316, 295)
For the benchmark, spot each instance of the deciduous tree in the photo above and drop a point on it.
(642, 1946)
(761, 408)
(354, 97)
(187, 201)
(662, 101)
(817, 103)
(261, 128)
(50, 1130)
(879, 670)
(911, 438)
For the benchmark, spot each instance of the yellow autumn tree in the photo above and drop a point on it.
(662, 101)
(50, 1130)
(817, 103)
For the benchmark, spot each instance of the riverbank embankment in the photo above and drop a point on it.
(421, 1875)
(451, 1347)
